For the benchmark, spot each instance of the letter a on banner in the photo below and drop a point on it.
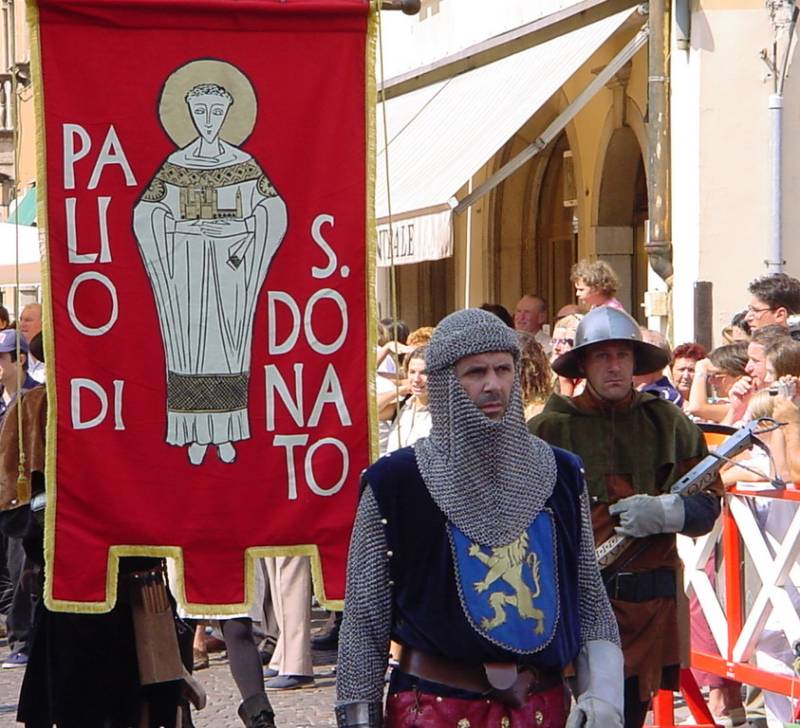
(208, 212)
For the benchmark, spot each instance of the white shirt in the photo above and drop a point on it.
(413, 423)
(36, 369)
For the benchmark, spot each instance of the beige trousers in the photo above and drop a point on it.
(290, 589)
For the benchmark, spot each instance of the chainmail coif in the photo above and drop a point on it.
(489, 477)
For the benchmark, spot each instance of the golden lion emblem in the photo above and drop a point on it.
(506, 563)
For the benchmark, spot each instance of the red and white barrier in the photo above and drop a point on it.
(736, 630)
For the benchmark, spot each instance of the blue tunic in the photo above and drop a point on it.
(473, 603)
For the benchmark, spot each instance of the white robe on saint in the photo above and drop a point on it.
(207, 230)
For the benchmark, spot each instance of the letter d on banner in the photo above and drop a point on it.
(79, 385)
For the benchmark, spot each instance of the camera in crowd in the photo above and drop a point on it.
(784, 389)
(794, 326)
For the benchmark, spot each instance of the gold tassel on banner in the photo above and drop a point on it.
(23, 484)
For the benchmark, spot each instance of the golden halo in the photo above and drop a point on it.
(174, 112)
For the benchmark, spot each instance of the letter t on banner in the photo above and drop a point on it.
(208, 211)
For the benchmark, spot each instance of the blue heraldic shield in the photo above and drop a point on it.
(510, 593)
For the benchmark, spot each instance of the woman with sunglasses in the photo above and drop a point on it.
(713, 378)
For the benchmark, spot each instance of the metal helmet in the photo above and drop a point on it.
(610, 324)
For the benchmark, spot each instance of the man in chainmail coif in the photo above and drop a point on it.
(474, 550)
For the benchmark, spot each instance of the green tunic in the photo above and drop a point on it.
(642, 444)
(645, 438)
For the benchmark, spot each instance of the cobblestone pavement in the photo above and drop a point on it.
(310, 707)
(306, 708)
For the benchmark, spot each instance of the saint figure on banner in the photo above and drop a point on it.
(208, 225)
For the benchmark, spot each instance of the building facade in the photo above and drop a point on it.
(470, 86)
(17, 162)
(584, 192)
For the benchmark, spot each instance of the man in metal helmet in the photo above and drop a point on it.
(634, 446)
(474, 550)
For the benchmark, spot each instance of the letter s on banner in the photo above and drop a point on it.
(316, 235)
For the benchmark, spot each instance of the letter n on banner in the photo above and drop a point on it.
(208, 209)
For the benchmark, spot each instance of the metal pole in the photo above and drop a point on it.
(468, 262)
(775, 261)
(409, 7)
(659, 153)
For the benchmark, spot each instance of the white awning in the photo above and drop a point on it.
(28, 237)
(28, 254)
(441, 135)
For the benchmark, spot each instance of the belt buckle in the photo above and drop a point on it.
(501, 675)
(616, 581)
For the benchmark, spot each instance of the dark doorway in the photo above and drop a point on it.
(622, 218)
(556, 226)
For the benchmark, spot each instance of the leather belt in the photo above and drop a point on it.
(461, 675)
(641, 586)
(468, 676)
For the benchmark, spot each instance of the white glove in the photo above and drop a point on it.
(593, 713)
(598, 687)
(645, 515)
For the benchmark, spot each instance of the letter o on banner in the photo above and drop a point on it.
(312, 481)
(315, 343)
(73, 289)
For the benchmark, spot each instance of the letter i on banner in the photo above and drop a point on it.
(207, 257)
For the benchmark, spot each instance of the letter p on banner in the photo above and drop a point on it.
(180, 199)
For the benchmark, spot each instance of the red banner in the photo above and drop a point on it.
(209, 288)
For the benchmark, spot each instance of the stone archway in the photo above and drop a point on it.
(556, 234)
(621, 217)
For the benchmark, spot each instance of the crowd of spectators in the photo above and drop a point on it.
(21, 369)
(752, 375)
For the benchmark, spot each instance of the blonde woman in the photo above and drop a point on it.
(535, 374)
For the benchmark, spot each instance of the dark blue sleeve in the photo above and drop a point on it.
(571, 470)
(702, 510)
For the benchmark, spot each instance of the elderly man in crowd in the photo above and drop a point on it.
(30, 324)
(474, 551)
(531, 315)
(635, 445)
